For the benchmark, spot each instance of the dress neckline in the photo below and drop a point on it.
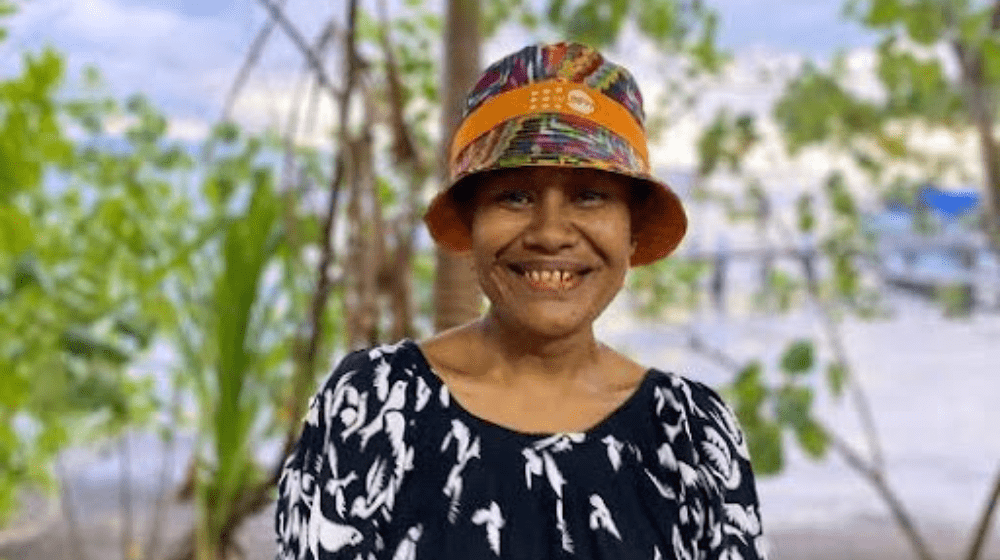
(602, 427)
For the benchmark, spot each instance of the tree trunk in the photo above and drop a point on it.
(457, 297)
(982, 105)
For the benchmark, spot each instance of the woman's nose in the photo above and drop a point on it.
(551, 226)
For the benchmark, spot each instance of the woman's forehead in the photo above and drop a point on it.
(554, 176)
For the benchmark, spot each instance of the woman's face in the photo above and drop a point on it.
(551, 246)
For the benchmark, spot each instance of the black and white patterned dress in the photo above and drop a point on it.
(389, 467)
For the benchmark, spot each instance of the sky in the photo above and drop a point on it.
(184, 54)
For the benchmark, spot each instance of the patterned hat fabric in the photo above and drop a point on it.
(560, 105)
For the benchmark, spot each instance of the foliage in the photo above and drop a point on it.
(686, 27)
(235, 338)
(90, 229)
(937, 68)
(766, 410)
(668, 284)
(920, 41)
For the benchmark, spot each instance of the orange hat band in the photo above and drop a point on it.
(552, 96)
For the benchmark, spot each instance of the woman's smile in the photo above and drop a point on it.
(557, 277)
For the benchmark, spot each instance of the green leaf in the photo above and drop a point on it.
(555, 13)
(925, 21)
(765, 447)
(991, 58)
(226, 132)
(84, 345)
(710, 148)
(836, 377)
(840, 197)
(657, 19)
(845, 275)
(748, 389)
(26, 274)
(894, 147)
(806, 215)
(793, 404)
(812, 438)
(884, 13)
(16, 232)
(13, 388)
(596, 22)
(798, 358)
(140, 332)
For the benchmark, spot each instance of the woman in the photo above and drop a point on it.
(519, 435)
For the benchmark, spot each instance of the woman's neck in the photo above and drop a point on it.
(515, 357)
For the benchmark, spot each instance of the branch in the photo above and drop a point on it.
(252, 57)
(292, 123)
(293, 33)
(166, 467)
(77, 545)
(836, 340)
(403, 148)
(697, 344)
(125, 497)
(300, 384)
(983, 527)
(876, 477)
(872, 472)
(259, 496)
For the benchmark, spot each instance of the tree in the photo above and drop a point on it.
(89, 231)
(457, 296)
(881, 139)
(920, 40)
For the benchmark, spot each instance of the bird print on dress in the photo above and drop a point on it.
(466, 448)
(383, 416)
(600, 517)
(614, 451)
(329, 535)
(407, 549)
(493, 519)
(538, 459)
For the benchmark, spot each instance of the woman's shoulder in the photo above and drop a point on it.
(383, 375)
(700, 408)
(398, 359)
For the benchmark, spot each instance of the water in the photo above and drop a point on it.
(932, 383)
(933, 386)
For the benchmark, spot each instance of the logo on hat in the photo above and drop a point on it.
(580, 102)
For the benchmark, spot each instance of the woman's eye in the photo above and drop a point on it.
(592, 196)
(514, 197)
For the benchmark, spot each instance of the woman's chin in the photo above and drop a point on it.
(549, 325)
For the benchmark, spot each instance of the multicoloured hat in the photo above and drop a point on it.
(559, 105)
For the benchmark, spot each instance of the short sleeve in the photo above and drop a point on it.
(733, 521)
(339, 484)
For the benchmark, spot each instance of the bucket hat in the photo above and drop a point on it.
(559, 105)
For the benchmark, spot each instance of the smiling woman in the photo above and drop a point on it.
(519, 435)
(551, 245)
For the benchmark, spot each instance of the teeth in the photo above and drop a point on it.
(550, 276)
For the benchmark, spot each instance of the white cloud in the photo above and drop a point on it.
(187, 129)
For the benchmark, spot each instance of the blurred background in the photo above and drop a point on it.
(204, 204)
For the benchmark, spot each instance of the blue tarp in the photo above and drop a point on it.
(949, 203)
